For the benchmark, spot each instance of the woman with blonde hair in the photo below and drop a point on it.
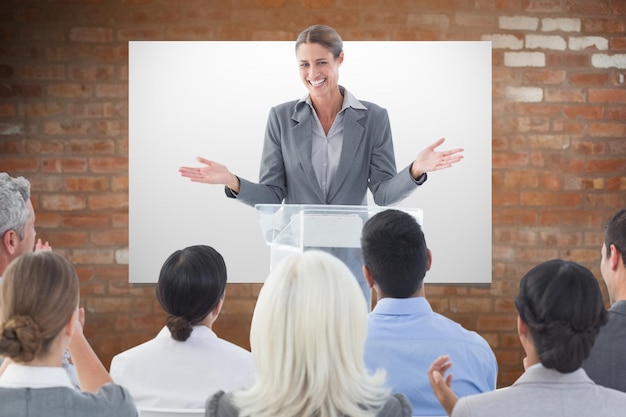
(307, 336)
(39, 320)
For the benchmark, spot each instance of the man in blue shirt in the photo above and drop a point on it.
(404, 334)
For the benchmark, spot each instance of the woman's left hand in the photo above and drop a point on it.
(442, 386)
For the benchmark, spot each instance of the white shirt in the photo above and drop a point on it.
(167, 373)
(22, 376)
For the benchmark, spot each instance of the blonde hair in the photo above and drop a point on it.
(38, 295)
(307, 337)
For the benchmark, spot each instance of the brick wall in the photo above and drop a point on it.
(559, 127)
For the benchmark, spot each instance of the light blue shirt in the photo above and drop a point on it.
(405, 336)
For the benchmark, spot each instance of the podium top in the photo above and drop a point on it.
(308, 225)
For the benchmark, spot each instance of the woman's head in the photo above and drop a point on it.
(191, 284)
(562, 305)
(307, 337)
(319, 51)
(38, 295)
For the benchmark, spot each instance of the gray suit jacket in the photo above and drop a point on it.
(542, 392)
(221, 405)
(367, 161)
(110, 401)
(607, 363)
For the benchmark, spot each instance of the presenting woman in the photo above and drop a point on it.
(328, 147)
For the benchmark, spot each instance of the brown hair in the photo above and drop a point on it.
(322, 35)
(38, 295)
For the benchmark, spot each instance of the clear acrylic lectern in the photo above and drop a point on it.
(294, 228)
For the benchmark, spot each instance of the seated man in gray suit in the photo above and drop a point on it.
(404, 334)
(607, 363)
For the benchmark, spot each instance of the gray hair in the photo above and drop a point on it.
(14, 195)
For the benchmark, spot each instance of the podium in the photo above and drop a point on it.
(295, 228)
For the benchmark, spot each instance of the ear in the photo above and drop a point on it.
(70, 326)
(216, 310)
(615, 258)
(10, 241)
(340, 58)
(368, 277)
(429, 256)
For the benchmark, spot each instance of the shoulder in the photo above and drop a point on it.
(397, 405)
(285, 108)
(221, 405)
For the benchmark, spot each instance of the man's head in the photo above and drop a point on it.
(395, 254)
(17, 219)
(613, 262)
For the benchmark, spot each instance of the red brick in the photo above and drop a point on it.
(567, 60)
(616, 113)
(586, 7)
(544, 77)
(550, 199)
(44, 147)
(108, 164)
(496, 322)
(89, 146)
(85, 221)
(569, 95)
(583, 112)
(87, 184)
(67, 239)
(616, 25)
(108, 201)
(606, 165)
(607, 96)
(589, 79)
(617, 43)
(608, 129)
(64, 165)
(91, 34)
(111, 237)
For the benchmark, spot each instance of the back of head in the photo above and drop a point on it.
(14, 195)
(307, 336)
(562, 305)
(395, 252)
(322, 35)
(615, 234)
(191, 284)
(38, 295)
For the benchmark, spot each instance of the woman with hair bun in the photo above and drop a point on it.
(560, 314)
(39, 320)
(186, 362)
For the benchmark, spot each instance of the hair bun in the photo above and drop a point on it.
(179, 326)
(20, 338)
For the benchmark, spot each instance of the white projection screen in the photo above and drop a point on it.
(212, 99)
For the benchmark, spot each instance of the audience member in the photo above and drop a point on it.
(607, 363)
(17, 229)
(17, 220)
(404, 334)
(186, 362)
(307, 336)
(39, 321)
(560, 314)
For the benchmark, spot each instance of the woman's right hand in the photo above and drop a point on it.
(442, 386)
(211, 173)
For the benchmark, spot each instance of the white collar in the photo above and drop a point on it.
(23, 376)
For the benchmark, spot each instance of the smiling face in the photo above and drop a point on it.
(319, 69)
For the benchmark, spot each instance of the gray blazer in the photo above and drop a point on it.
(542, 392)
(110, 401)
(607, 363)
(367, 161)
(221, 405)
